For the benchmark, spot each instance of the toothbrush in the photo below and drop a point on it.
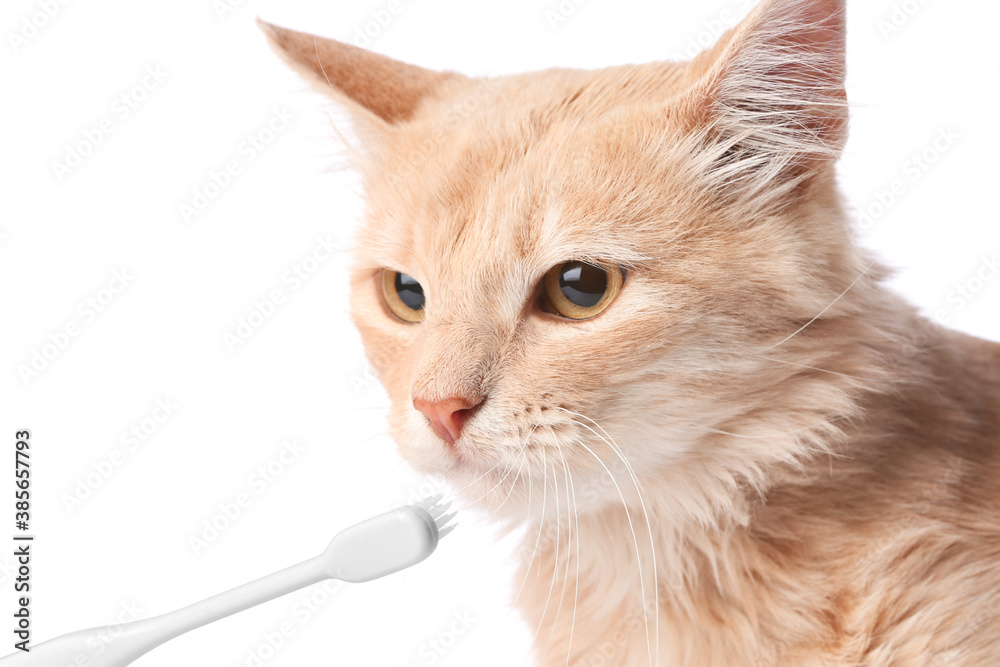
(371, 549)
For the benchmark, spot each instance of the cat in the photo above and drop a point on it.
(626, 309)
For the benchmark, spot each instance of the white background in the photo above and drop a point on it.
(301, 373)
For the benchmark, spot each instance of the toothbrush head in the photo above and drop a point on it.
(438, 510)
(389, 542)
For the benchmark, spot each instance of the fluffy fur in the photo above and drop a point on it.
(758, 455)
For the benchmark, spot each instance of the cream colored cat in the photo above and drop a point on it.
(564, 271)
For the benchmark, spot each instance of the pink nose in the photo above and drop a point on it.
(447, 416)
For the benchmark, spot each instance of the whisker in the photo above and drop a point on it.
(652, 543)
(469, 504)
(820, 314)
(472, 503)
(552, 583)
(513, 484)
(458, 491)
(495, 486)
(576, 515)
(635, 540)
(576, 587)
(534, 550)
(569, 537)
(520, 468)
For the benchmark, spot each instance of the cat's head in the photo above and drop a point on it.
(564, 267)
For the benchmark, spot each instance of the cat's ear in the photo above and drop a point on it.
(379, 92)
(770, 94)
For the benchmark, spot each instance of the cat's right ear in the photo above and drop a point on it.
(379, 92)
(771, 95)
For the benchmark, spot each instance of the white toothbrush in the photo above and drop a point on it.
(371, 549)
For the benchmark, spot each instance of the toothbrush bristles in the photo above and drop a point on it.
(438, 508)
(428, 503)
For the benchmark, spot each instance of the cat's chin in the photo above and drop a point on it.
(487, 488)
(502, 494)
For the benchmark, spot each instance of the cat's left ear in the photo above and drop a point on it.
(379, 92)
(770, 94)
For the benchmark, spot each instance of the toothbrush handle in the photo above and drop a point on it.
(139, 637)
(237, 599)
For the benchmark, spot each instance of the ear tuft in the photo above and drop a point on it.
(771, 92)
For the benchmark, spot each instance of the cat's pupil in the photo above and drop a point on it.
(410, 292)
(583, 284)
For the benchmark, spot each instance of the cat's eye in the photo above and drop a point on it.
(404, 295)
(580, 290)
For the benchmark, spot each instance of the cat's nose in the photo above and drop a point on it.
(447, 416)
